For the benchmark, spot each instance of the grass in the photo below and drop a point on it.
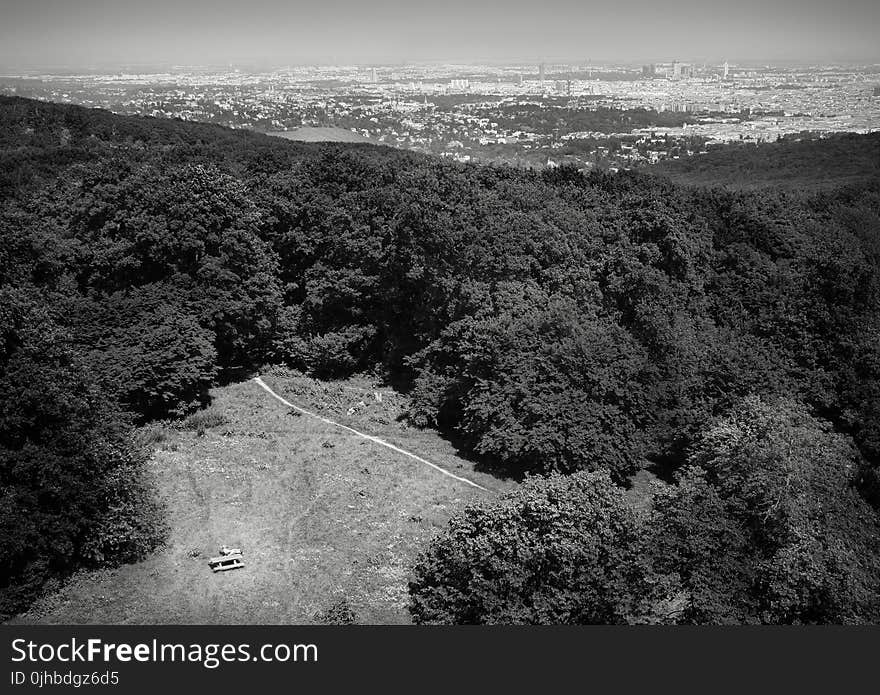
(322, 134)
(324, 518)
(203, 420)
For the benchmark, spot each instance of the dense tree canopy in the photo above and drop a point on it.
(72, 480)
(546, 322)
(558, 550)
(763, 526)
(780, 481)
(795, 163)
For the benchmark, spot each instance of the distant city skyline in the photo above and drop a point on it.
(107, 33)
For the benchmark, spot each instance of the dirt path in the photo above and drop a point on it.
(369, 437)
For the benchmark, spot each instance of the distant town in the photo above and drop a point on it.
(526, 115)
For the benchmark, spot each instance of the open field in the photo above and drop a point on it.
(319, 513)
(321, 134)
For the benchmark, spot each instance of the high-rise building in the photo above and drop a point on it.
(676, 70)
(541, 73)
(726, 69)
(649, 70)
(374, 78)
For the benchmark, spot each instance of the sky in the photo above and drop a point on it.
(106, 33)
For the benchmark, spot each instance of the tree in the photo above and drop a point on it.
(147, 350)
(557, 550)
(536, 385)
(704, 554)
(73, 484)
(191, 228)
(766, 526)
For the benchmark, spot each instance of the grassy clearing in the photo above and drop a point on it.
(322, 134)
(322, 516)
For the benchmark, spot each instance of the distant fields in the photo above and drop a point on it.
(320, 514)
(321, 134)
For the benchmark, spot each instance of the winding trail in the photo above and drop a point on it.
(262, 384)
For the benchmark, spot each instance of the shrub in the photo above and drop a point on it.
(151, 434)
(339, 613)
(204, 420)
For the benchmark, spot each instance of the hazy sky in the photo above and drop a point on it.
(79, 33)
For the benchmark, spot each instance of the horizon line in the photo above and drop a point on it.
(276, 65)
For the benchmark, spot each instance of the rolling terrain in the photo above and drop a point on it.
(803, 165)
(590, 328)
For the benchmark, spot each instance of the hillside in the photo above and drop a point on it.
(320, 514)
(838, 160)
(581, 330)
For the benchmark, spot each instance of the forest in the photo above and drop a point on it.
(563, 329)
(792, 163)
(545, 119)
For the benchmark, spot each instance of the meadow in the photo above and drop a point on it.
(320, 514)
(321, 134)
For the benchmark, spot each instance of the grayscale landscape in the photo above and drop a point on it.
(439, 314)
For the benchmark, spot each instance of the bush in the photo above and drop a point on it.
(204, 420)
(150, 435)
(339, 613)
(327, 355)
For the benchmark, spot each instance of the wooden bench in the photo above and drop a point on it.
(226, 562)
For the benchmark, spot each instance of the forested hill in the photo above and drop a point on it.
(835, 161)
(543, 321)
(37, 138)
